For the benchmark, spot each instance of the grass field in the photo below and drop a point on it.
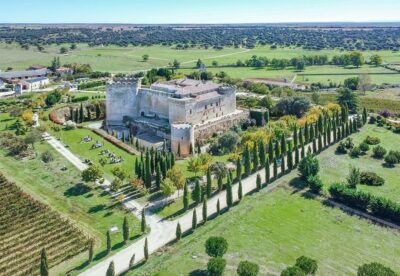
(128, 59)
(273, 229)
(90, 208)
(335, 168)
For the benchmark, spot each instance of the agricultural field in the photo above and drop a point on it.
(28, 226)
(335, 167)
(88, 207)
(274, 228)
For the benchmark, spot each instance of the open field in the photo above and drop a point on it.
(129, 59)
(273, 229)
(335, 168)
(92, 209)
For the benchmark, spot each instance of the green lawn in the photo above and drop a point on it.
(335, 168)
(92, 209)
(273, 229)
(6, 121)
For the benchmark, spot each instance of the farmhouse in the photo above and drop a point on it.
(34, 84)
(16, 76)
(181, 111)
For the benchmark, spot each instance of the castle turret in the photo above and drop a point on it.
(121, 100)
(182, 136)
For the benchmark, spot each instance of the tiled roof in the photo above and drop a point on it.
(23, 74)
(35, 80)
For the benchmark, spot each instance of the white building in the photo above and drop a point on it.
(34, 84)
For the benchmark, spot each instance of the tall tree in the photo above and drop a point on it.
(270, 150)
(146, 250)
(111, 269)
(205, 215)
(185, 197)
(229, 197)
(178, 232)
(91, 250)
(209, 183)
(218, 208)
(108, 242)
(196, 194)
(143, 224)
(240, 190)
(194, 219)
(255, 157)
(125, 230)
(258, 182)
(262, 153)
(44, 267)
(238, 169)
(247, 161)
(267, 171)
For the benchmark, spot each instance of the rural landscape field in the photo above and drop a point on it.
(200, 138)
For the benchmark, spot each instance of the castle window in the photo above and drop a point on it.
(190, 112)
(216, 103)
(205, 107)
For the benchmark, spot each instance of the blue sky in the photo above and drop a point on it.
(197, 11)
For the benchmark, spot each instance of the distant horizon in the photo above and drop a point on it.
(159, 12)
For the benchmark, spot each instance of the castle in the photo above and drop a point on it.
(182, 111)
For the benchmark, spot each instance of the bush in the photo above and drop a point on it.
(379, 152)
(364, 147)
(216, 266)
(372, 120)
(308, 265)
(355, 152)
(395, 153)
(375, 269)
(391, 160)
(349, 143)
(216, 246)
(315, 183)
(80, 99)
(308, 166)
(247, 268)
(293, 271)
(371, 179)
(47, 157)
(372, 140)
(293, 106)
(341, 148)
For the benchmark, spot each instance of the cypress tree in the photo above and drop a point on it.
(163, 167)
(314, 145)
(296, 156)
(347, 131)
(218, 208)
(98, 112)
(148, 171)
(71, 114)
(44, 267)
(172, 159)
(328, 134)
(312, 134)
(89, 117)
(108, 242)
(270, 150)
(209, 183)
(132, 261)
(185, 197)
(283, 165)
(125, 230)
(267, 172)
(301, 137)
(350, 127)
(290, 159)
(295, 137)
(143, 224)
(319, 142)
(205, 216)
(152, 162)
(146, 250)
(283, 145)
(76, 116)
(303, 151)
(343, 132)
(196, 195)
(266, 117)
(247, 162)
(111, 269)
(81, 115)
(316, 132)
(220, 183)
(240, 190)
(158, 177)
(191, 149)
(277, 150)
(198, 148)
(238, 169)
(258, 182)
(229, 199)
(179, 150)
(275, 171)
(262, 155)
(320, 124)
(255, 157)
(306, 133)
(364, 116)
(194, 220)
(137, 144)
(178, 232)
(91, 250)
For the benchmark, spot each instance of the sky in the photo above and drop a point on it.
(198, 11)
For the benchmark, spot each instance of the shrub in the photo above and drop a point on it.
(372, 140)
(364, 147)
(375, 269)
(216, 246)
(371, 179)
(216, 266)
(308, 166)
(349, 143)
(372, 120)
(308, 265)
(80, 99)
(355, 152)
(293, 271)
(47, 157)
(315, 183)
(395, 153)
(391, 160)
(341, 148)
(247, 268)
(354, 177)
(379, 152)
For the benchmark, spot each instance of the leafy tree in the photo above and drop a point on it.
(115, 185)
(44, 267)
(296, 106)
(111, 269)
(216, 266)
(177, 177)
(247, 268)
(348, 99)
(92, 174)
(308, 166)
(125, 230)
(52, 98)
(375, 269)
(145, 57)
(216, 246)
(308, 265)
(376, 60)
(168, 187)
(352, 83)
(293, 271)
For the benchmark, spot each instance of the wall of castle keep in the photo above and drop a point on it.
(155, 102)
(182, 135)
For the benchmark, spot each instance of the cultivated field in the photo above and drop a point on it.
(335, 168)
(28, 226)
(273, 229)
